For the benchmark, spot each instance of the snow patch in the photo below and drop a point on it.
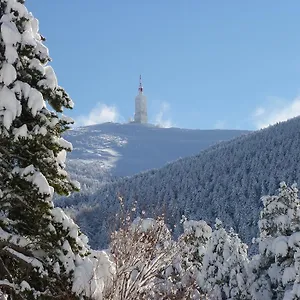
(50, 80)
(280, 246)
(8, 74)
(37, 178)
(10, 34)
(20, 132)
(35, 101)
(93, 274)
(10, 107)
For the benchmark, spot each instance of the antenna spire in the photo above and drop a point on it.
(141, 85)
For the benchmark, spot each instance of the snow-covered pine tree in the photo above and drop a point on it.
(42, 252)
(272, 272)
(183, 276)
(192, 247)
(224, 265)
(193, 241)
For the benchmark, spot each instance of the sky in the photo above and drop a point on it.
(205, 64)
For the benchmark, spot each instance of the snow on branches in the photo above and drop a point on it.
(41, 249)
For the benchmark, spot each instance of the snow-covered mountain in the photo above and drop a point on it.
(225, 181)
(105, 151)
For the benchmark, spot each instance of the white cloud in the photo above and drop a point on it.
(276, 110)
(101, 113)
(259, 112)
(162, 118)
(220, 124)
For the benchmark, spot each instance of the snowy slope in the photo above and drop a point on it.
(108, 150)
(224, 181)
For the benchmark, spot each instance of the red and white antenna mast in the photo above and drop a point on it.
(141, 85)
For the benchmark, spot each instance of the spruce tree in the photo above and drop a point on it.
(42, 251)
(273, 271)
(183, 276)
(224, 265)
(193, 244)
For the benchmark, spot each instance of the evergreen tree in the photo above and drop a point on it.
(42, 251)
(273, 272)
(193, 244)
(224, 265)
(183, 276)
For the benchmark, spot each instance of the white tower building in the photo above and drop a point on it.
(140, 115)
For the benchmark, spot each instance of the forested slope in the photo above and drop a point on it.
(224, 181)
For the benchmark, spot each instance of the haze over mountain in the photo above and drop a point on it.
(225, 181)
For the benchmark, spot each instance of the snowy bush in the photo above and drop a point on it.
(140, 250)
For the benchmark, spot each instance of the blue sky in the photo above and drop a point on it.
(205, 64)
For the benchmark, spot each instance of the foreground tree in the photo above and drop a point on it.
(274, 273)
(224, 268)
(141, 251)
(186, 269)
(42, 251)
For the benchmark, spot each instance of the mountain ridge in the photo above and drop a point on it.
(105, 151)
(225, 181)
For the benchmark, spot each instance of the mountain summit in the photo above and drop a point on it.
(109, 150)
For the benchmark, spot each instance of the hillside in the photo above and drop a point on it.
(224, 181)
(106, 151)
